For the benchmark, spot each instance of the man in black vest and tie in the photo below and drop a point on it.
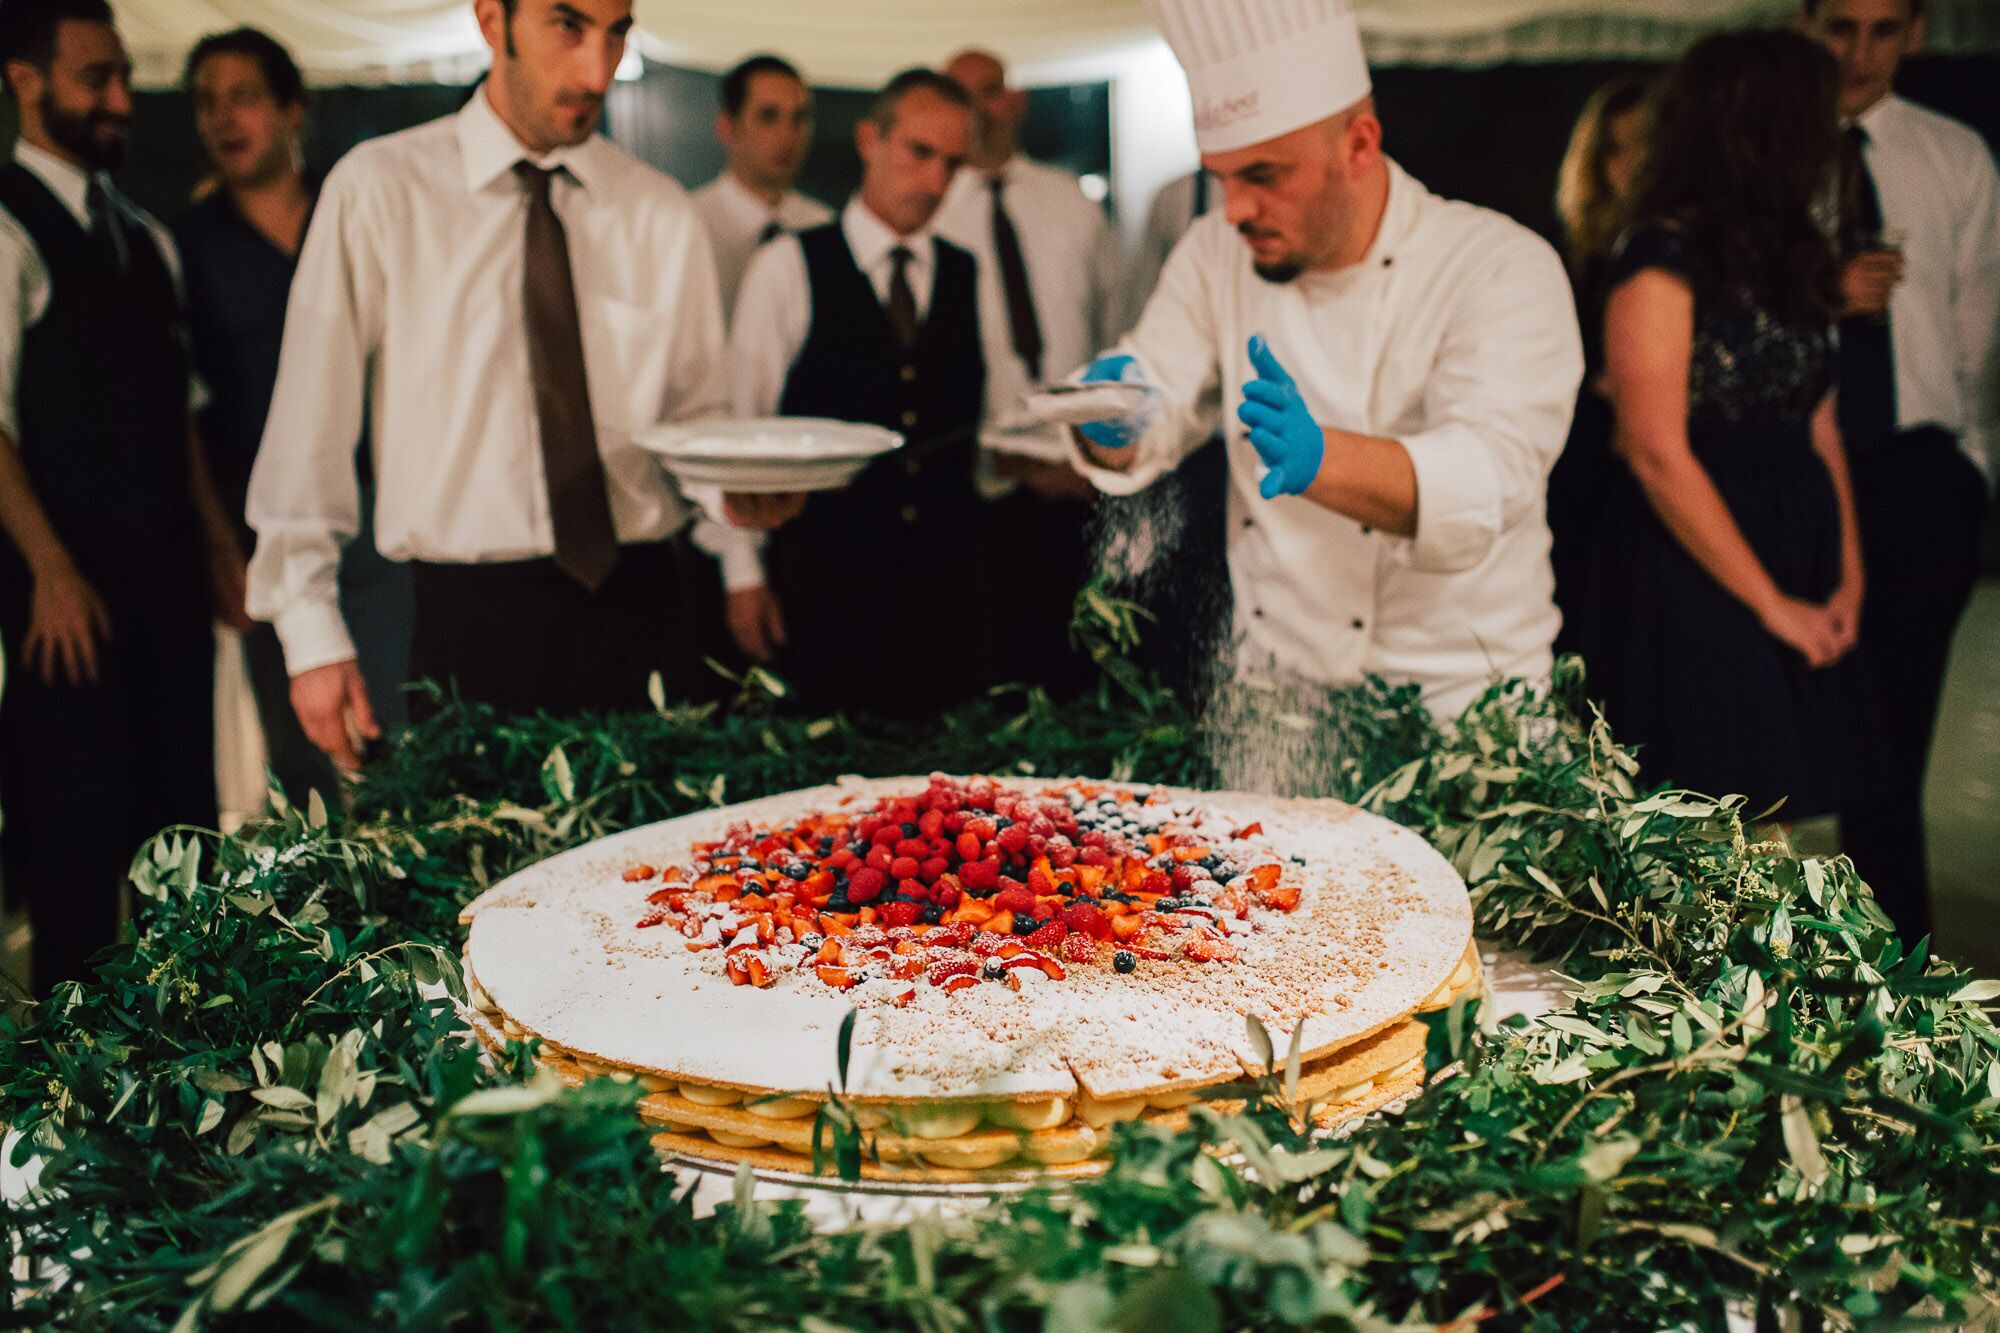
(1919, 405)
(117, 547)
(872, 318)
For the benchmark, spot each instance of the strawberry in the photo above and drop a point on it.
(955, 936)
(899, 914)
(1078, 948)
(944, 969)
(637, 873)
(1047, 938)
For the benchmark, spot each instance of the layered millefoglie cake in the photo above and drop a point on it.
(1029, 961)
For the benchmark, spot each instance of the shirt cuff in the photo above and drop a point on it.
(1458, 500)
(742, 566)
(312, 635)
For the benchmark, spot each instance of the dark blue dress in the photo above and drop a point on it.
(1685, 670)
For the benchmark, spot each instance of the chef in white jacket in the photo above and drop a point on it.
(1394, 371)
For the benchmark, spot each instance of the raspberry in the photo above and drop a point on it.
(1187, 875)
(982, 828)
(933, 868)
(1079, 948)
(944, 969)
(1156, 881)
(978, 875)
(887, 835)
(1013, 839)
(968, 846)
(879, 858)
(1082, 918)
(866, 885)
(1044, 910)
(1093, 838)
(865, 829)
(954, 823)
(904, 867)
(1040, 883)
(1014, 900)
(1048, 938)
(1095, 856)
(1061, 854)
(945, 895)
(912, 889)
(899, 914)
(931, 824)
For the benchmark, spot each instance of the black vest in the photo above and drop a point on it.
(102, 398)
(911, 528)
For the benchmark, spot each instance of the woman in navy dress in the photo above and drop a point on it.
(1726, 591)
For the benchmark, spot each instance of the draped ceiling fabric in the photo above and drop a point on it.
(860, 42)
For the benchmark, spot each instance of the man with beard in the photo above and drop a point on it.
(1396, 372)
(118, 547)
(507, 297)
(240, 248)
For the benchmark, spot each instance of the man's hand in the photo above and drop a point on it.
(329, 698)
(1867, 279)
(1282, 429)
(65, 622)
(750, 509)
(228, 581)
(1123, 432)
(756, 623)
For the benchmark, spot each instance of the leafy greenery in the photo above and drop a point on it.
(265, 1111)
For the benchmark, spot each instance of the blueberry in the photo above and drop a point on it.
(798, 870)
(994, 970)
(1001, 822)
(1123, 961)
(933, 914)
(1025, 925)
(826, 844)
(910, 830)
(1224, 870)
(811, 941)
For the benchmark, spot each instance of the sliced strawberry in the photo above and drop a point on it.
(1079, 948)
(1048, 937)
(899, 914)
(637, 873)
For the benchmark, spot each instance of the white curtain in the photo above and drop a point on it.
(859, 42)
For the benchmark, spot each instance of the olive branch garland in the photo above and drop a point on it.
(1759, 1097)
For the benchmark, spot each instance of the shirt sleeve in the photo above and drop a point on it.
(1976, 311)
(24, 298)
(768, 330)
(1175, 344)
(305, 500)
(1497, 408)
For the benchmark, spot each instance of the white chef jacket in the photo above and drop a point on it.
(1456, 335)
(736, 220)
(1938, 187)
(407, 304)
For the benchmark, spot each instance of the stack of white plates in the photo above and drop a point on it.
(768, 454)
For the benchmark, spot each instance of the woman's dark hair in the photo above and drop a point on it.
(1744, 143)
(281, 72)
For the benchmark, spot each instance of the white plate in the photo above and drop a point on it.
(768, 454)
(1040, 441)
(1075, 404)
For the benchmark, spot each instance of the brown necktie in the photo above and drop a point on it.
(1021, 321)
(579, 506)
(902, 301)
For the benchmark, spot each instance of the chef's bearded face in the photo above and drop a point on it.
(1300, 201)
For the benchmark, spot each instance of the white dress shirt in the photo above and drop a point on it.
(1172, 212)
(24, 278)
(1067, 246)
(408, 305)
(1456, 336)
(774, 315)
(736, 220)
(1938, 187)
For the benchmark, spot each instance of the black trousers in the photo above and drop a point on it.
(89, 772)
(525, 637)
(1041, 547)
(1921, 504)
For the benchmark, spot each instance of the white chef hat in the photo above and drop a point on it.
(1257, 69)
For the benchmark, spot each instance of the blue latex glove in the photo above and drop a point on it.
(1121, 432)
(1282, 430)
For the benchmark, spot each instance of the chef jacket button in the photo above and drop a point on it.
(1357, 624)
(1257, 611)
(1388, 260)
(913, 465)
(910, 417)
(1366, 530)
(1249, 522)
(909, 513)
(909, 373)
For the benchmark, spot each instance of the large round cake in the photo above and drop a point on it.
(1028, 961)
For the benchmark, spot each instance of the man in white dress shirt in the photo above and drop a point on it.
(1174, 209)
(1055, 259)
(508, 297)
(116, 550)
(1919, 399)
(765, 125)
(1395, 371)
(875, 319)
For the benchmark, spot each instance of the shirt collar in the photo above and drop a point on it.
(487, 149)
(871, 239)
(1872, 119)
(1399, 217)
(743, 202)
(66, 180)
